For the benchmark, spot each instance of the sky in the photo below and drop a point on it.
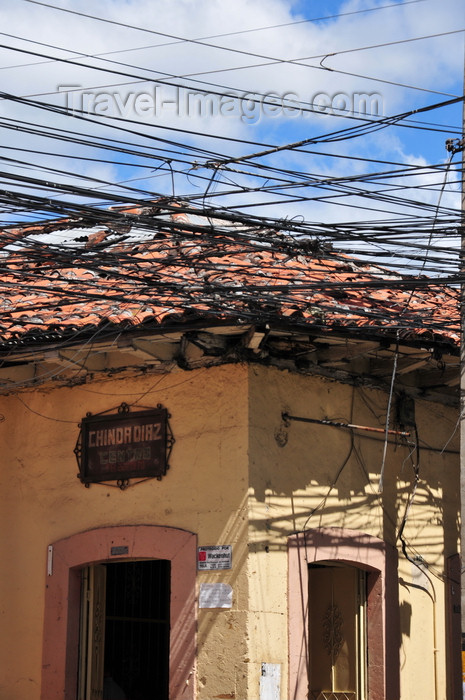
(185, 94)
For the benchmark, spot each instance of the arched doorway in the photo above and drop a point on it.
(71, 559)
(318, 553)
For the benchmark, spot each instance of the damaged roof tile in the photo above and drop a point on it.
(157, 273)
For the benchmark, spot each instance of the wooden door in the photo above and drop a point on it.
(92, 645)
(337, 635)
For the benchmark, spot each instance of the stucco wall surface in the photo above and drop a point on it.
(239, 475)
(204, 492)
(305, 476)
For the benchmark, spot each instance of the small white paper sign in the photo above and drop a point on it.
(215, 595)
(270, 682)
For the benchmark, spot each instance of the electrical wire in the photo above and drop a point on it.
(220, 47)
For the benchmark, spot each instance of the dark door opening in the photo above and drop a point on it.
(125, 631)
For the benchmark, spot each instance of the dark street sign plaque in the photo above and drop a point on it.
(123, 446)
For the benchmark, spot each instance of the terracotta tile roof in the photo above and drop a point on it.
(154, 269)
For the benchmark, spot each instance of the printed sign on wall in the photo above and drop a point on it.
(215, 557)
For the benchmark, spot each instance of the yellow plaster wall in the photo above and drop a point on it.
(239, 475)
(292, 469)
(205, 491)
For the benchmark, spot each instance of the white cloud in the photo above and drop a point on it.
(432, 64)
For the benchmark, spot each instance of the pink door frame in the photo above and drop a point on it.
(62, 600)
(380, 561)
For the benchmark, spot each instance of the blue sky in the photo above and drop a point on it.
(263, 50)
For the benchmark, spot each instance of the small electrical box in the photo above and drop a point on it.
(405, 411)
